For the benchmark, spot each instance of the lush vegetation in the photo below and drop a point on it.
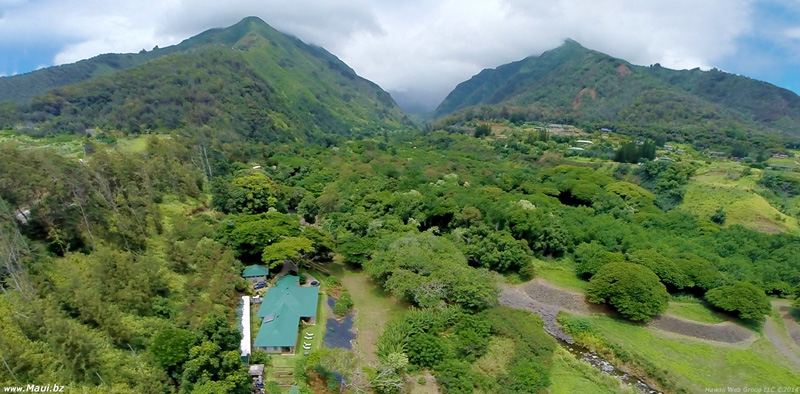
(632, 289)
(124, 250)
(578, 86)
(247, 80)
(436, 220)
(464, 350)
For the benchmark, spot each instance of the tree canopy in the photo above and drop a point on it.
(746, 299)
(632, 289)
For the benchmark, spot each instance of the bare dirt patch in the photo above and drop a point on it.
(623, 70)
(722, 332)
(579, 98)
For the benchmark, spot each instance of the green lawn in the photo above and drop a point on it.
(374, 306)
(696, 364)
(694, 311)
(560, 273)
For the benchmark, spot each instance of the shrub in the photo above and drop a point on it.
(529, 377)
(258, 357)
(742, 297)
(343, 304)
(634, 290)
(574, 325)
(455, 377)
(425, 350)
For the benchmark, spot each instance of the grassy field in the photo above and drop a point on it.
(374, 307)
(66, 144)
(695, 312)
(570, 375)
(722, 185)
(560, 273)
(696, 364)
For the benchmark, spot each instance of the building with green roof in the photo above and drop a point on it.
(283, 307)
(255, 273)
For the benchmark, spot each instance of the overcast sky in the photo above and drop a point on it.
(419, 50)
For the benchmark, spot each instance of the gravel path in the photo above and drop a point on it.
(547, 300)
(788, 320)
(782, 344)
(788, 347)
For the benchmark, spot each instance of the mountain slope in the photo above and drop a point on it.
(248, 78)
(574, 84)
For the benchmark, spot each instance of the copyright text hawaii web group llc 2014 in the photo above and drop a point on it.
(745, 389)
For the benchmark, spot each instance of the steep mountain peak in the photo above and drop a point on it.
(248, 77)
(247, 27)
(576, 84)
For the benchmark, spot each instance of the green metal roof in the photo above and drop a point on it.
(282, 307)
(255, 270)
(286, 292)
(279, 331)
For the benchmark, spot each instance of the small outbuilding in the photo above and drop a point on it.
(257, 370)
(256, 273)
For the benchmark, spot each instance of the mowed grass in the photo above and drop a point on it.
(374, 306)
(136, 144)
(560, 273)
(694, 311)
(696, 364)
(721, 186)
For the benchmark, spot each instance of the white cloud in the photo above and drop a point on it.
(793, 33)
(449, 41)
(420, 47)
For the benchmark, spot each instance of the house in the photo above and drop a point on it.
(605, 130)
(255, 273)
(575, 148)
(780, 156)
(717, 154)
(584, 142)
(256, 167)
(284, 306)
(669, 147)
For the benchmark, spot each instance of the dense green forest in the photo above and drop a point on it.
(248, 79)
(123, 271)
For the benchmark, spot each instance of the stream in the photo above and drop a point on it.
(549, 313)
(606, 368)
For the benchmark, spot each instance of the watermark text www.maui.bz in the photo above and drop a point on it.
(35, 388)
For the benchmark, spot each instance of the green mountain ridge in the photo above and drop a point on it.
(248, 78)
(577, 85)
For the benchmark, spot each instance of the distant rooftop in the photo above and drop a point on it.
(255, 270)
